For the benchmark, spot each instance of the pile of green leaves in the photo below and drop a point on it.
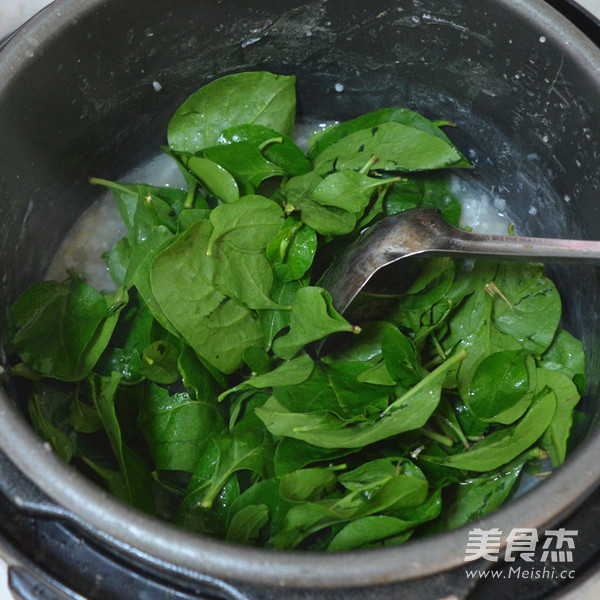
(195, 392)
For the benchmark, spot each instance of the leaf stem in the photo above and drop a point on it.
(445, 440)
(149, 202)
(341, 467)
(438, 346)
(493, 290)
(535, 453)
(380, 295)
(385, 188)
(367, 167)
(444, 367)
(286, 241)
(207, 502)
(454, 428)
(383, 182)
(113, 185)
(436, 360)
(414, 454)
(189, 200)
(277, 140)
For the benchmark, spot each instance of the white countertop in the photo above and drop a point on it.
(592, 6)
(15, 12)
(12, 14)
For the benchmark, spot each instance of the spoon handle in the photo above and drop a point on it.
(423, 232)
(522, 247)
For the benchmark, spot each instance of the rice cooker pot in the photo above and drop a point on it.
(88, 86)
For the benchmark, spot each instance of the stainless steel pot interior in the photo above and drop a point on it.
(76, 99)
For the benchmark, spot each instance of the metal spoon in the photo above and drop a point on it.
(424, 232)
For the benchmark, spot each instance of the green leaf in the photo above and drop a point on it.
(566, 355)
(292, 250)
(135, 472)
(177, 429)
(432, 285)
(114, 480)
(144, 206)
(307, 484)
(348, 190)
(473, 326)
(246, 524)
(403, 195)
(83, 417)
(257, 360)
(397, 147)
(237, 244)
(275, 147)
(292, 455)
(378, 374)
(135, 330)
(183, 283)
(61, 329)
(500, 382)
(437, 194)
(152, 211)
(53, 323)
(556, 436)
(476, 497)
(159, 362)
(323, 321)
(291, 372)
(209, 521)
(224, 456)
(248, 225)
(410, 411)
(244, 98)
(469, 423)
(366, 531)
(245, 162)
(190, 216)
(503, 445)
(139, 271)
(335, 389)
(143, 251)
(202, 381)
(534, 311)
(375, 473)
(213, 177)
(365, 347)
(385, 492)
(117, 260)
(326, 220)
(93, 351)
(333, 134)
(400, 357)
(264, 492)
(49, 411)
(272, 321)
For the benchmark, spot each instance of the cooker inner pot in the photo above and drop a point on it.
(77, 99)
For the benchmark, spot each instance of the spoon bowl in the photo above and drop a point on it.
(423, 232)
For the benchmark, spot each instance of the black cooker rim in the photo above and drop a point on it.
(191, 555)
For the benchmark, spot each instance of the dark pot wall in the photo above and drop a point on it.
(76, 100)
(524, 98)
